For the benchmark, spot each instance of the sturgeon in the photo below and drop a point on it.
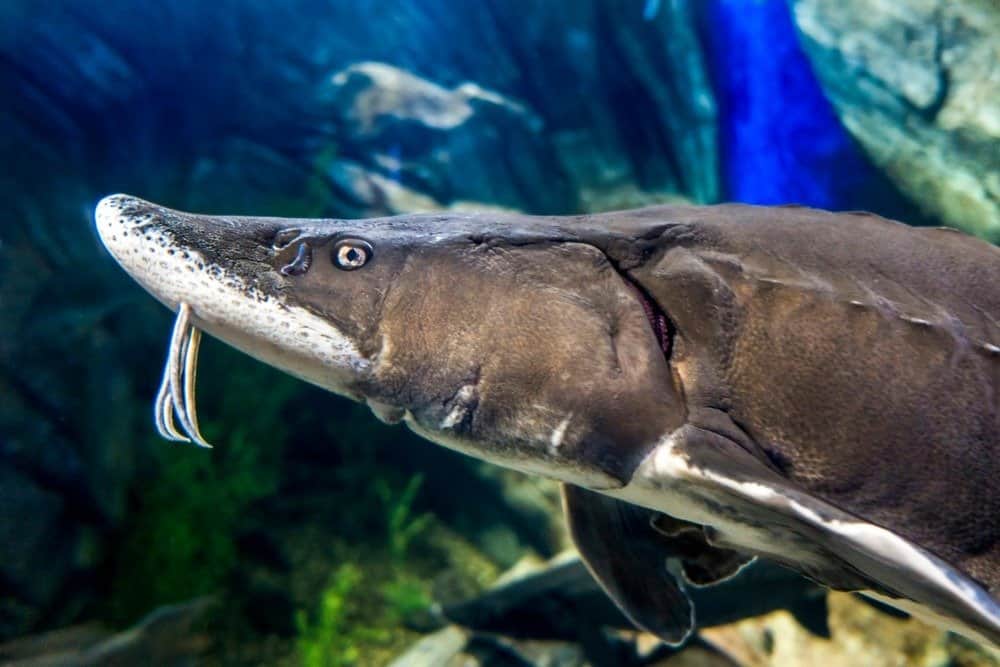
(710, 384)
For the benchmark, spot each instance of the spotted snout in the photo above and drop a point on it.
(142, 237)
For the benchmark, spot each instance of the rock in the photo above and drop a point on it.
(781, 137)
(409, 144)
(367, 192)
(493, 651)
(372, 97)
(453, 647)
(406, 143)
(166, 636)
(463, 143)
(697, 656)
(918, 84)
(443, 647)
(861, 635)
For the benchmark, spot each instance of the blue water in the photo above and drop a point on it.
(781, 140)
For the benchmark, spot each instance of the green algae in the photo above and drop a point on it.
(381, 592)
(400, 524)
(332, 637)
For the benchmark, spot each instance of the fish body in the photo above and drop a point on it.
(560, 600)
(711, 384)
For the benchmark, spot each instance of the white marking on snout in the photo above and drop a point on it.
(261, 324)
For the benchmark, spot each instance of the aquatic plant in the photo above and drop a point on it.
(381, 587)
(405, 597)
(401, 526)
(332, 638)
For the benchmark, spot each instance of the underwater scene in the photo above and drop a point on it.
(674, 434)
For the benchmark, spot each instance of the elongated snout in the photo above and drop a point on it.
(183, 257)
(135, 233)
(223, 268)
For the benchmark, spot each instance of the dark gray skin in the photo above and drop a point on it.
(846, 363)
(562, 601)
(858, 355)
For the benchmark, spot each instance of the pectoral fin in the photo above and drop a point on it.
(702, 563)
(627, 558)
(756, 508)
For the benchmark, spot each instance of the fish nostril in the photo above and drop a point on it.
(299, 265)
(284, 238)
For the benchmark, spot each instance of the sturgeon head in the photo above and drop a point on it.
(505, 337)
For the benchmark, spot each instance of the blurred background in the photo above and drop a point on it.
(312, 534)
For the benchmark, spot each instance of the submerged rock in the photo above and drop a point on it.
(444, 647)
(860, 635)
(167, 636)
(918, 84)
(461, 143)
(453, 647)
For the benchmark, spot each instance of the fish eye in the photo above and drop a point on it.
(351, 254)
